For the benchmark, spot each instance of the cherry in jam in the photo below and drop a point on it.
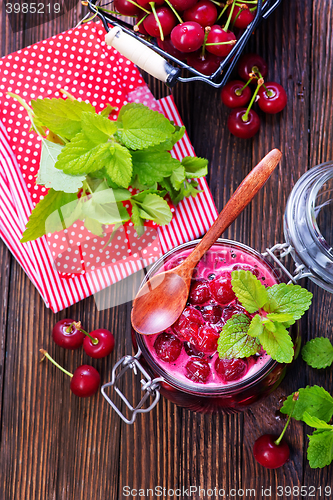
(197, 370)
(230, 370)
(167, 347)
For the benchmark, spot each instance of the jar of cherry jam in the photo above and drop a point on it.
(182, 363)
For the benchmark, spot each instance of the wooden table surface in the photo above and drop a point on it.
(57, 446)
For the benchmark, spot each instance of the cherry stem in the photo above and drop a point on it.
(79, 327)
(174, 11)
(243, 7)
(203, 50)
(46, 355)
(245, 117)
(152, 5)
(270, 93)
(232, 42)
(229, 17)
(279, 439)
(69, 328)
(139, 6)
(240, 91)
(136, 26)
(222, 11)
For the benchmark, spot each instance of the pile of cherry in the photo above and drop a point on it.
(97, 344)
(200, 32)
(271, 97)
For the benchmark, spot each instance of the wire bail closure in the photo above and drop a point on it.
(149, 386)
(281, 250)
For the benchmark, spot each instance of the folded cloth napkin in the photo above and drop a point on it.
(72, 264)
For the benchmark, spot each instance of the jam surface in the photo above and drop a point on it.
(188, 349)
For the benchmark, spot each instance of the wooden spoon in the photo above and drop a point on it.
(161, 300)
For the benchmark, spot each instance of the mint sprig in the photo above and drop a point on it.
(277, 307)
(315, 408)
(318, 353)
(84, 150)
(235, 342)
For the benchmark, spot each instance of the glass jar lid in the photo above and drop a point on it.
(308, 224)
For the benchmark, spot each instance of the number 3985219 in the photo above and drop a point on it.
(32, 8)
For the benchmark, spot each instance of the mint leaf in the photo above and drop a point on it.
(104, 213)
(234, 341)
(153, 166)
(320, 449)
(256, 327)
(318, 353)
(249, 290)
(138, 222)
(49, 206)
(290, 299)
(94, 226)
(49, 176)
(195, 166)
(81, 156)
(169, 143)
(313, 400)
(155, 208)
(140, 127)
(313, 421)
(119, 166)
(281, 317)
(278, 344)
(97, 127)
(107, 110)
(178, 177)
(61, 116)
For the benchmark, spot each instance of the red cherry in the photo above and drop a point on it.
(199, 292)
(126, 8)
(242, 129)
(206, 64)
(187, 325)
(229, 311)
(207, 339)
(230, 96)
(167, 347)
(243, 16)
(197, 370)
(140, 27)
(268, 453)
(191, 350)
(246, 64)
(188, 36)
(66, 334)
(221, 290)
(211, 313)
(104, 345)
(166, 18)
(85, 381)
(231, 369)
(204, 12)
(167, 45)
(217, 36)
(182, 5)
(273, 98)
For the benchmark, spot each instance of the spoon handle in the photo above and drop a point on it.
(236, 204)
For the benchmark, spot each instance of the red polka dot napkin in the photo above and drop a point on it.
(72, 264)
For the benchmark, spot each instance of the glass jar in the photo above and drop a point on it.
(232, 396)
(308, 225)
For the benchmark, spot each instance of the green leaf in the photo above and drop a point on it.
(139, 197)
(169, 143)
(104, 194)
(97, 127)
(177, 177)
(290, 299)
(151, 167)
(155, 208)
(234, 341)
(141, 127)
(195, 166)
(94, 226)
(51, 177)
(281, 317)
(138, 222)
(318, 353)
(107, 110)
(105, 213)
(49, 209)
(313, 421)
(320, 449)
(269, 325)
(256, 327)
(249, 290)
(119, 166)
(314, 400)
(81, 156)
(278, 344)
(61, 116)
